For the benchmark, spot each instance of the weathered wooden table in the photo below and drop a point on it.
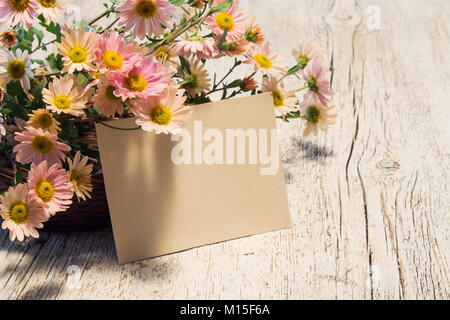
(369, 200)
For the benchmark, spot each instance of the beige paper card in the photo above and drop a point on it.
(215, 183)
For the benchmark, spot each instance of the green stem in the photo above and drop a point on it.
(214, 89)
(182, 29)
(232, 42)
(302, 88)
(41, 46)
(112, 23)
(101, 16)
(279, 80)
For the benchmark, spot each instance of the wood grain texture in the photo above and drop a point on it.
(369, 199)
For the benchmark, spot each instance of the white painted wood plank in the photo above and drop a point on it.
(369, 200)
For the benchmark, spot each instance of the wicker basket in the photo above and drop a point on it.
(87, 215)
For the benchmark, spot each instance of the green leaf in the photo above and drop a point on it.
(58, 33)
(19, 176)
(5, 111)
(69, 130)
(13, 88)
(49, 27)
(185, 64)
(55, 62)
(41, 18)
(25, 45)
(37, 90)
(224, 36)
(176, 2)
(39, 34)
(236, 83)
(199, 99)
(291, 115)
(223, 7)
(37, 61)
(224, 93)
(81, 79)
(293, 70)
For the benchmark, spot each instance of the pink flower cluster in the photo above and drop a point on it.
(153, 80)
(130, 73)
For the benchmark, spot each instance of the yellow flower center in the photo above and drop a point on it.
(112, 60)
(78, 54)
(225, 21)
(42, 144)
(303, 61)
(262, 61)
(45, 120)
(97, 75)
(48, 3)
(16, 69)
(135, 82)
(146, 8)
(19, 212)
(278, 98)
(19, 5)
(312, 84)
(312, 114)
(162, 55)
(109, 93)
(44, 190)
(62, 102)
(75, 176)
(161, 115)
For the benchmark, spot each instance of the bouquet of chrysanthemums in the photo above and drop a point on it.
(149, 62)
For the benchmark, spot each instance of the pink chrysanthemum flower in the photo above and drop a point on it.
(145, 17)
(80, 176)
(263, 60)
(315, 75)
(307, 52)
(114, 54)
(148, 78)
(18, 11)
(203, 48)
(50, 186)
(234, 20)
(20, 214)
(37, 145)
(105, 100)
(317, 115)
(284, 101)
(165, 114)
(15, 68)
(52, 9)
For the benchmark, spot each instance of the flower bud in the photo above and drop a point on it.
(8, 38)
